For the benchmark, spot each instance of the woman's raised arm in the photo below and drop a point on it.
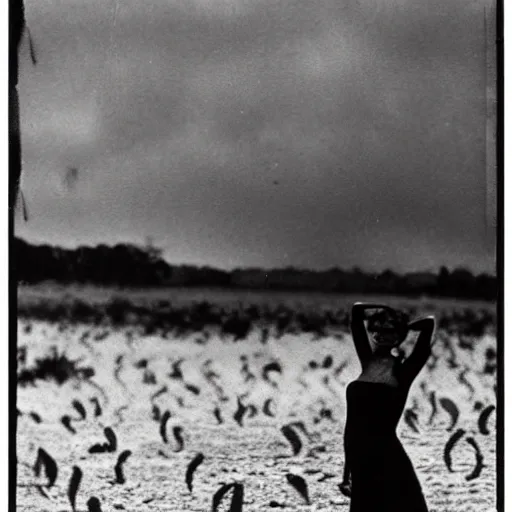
(422, 350)
(359, 334)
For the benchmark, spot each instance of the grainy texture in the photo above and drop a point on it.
(256, 453)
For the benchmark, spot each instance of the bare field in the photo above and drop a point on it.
(225, 297)
(228, 400)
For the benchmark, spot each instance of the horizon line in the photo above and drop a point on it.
(354, 268)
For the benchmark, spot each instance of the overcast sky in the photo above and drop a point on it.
(313, 133)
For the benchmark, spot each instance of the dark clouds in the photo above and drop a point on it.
(261, 133)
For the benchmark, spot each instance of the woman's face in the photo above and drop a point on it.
(387, 330)
(386, 338)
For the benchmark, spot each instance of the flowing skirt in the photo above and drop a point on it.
(384, 480)
(383, 477)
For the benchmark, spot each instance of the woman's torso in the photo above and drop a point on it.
(374, 407)
(375, 401)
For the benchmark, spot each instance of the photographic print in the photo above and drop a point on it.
(254, 255)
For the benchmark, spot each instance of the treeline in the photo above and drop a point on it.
(134, 266)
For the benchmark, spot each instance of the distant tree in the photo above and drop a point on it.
(486, 287)
(443, 281)
(462, 283)
(155, 253)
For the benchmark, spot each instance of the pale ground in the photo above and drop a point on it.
(256, 453)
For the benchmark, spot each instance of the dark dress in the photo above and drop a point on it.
(383, 478)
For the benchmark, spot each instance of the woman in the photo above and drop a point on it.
(378, 473)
